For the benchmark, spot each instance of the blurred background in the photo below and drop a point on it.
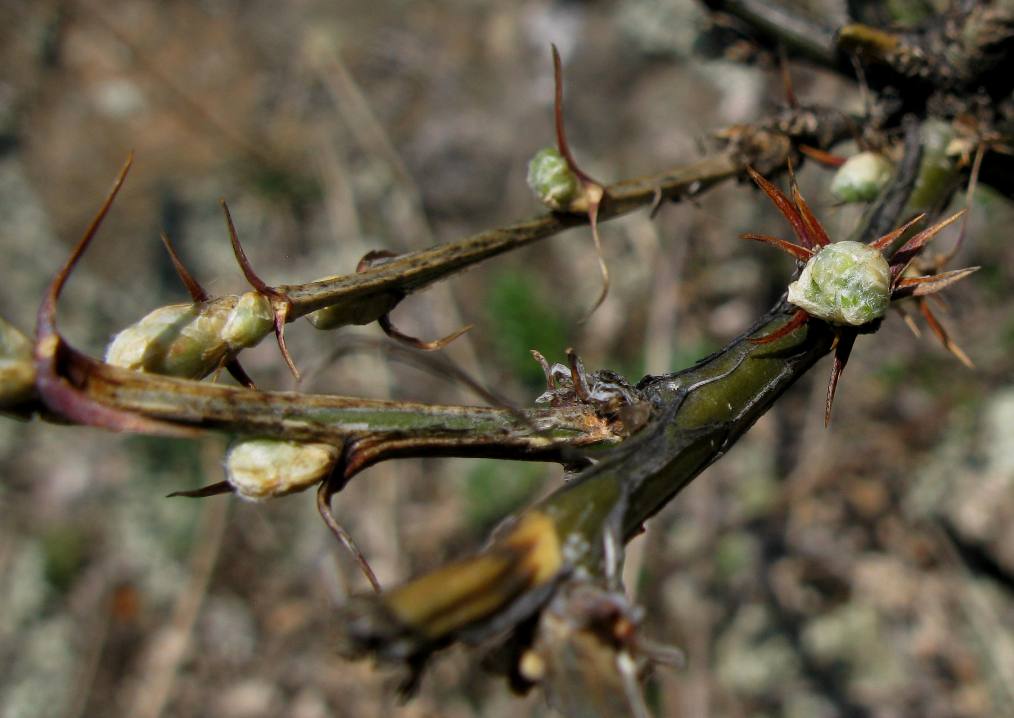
(864, 570)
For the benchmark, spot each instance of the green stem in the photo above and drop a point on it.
(366, 296)
(386, 428)
(699, 413)
(706, 409)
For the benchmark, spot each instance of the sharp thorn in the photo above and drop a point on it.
(797, 320)
(430, 346)
(815, 231)
(843, 347)
(916, 243)
(238, 373)
(577, 375)
(785, 207)
(593, 213)
(221, 487)
(52, 354)
(194, 289)
(281, 314)
(343, 536)
(941, 334)
(801, 253)
(47, 310)
(888, 239)
(821, 157)
(244, 264)
(923, 286)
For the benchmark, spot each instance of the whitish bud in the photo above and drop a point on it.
(552, 180)
(17, 371)
(262, 468)
(192, 340)
(844, 283)
(862, 177)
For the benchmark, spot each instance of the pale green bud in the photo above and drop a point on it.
(846, 283)
(862, 177)
(192, 340)
(249, 322)
(17, 370)
(359, 312)
(143, 346)
(552, 180)
(263, 468)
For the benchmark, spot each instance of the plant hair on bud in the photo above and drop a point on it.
(845, 283)
(553, 181)
(259, 469)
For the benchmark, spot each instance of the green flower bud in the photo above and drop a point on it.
(192, 340)
(552, 180)
(847, 283)
(143, 346)
(263, 468)
(249, 322)
(862, 177)
(17, 370)
(361, 312)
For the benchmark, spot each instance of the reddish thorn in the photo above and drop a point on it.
(801, 253)
(845, 340)
(973, 179)
(787, 208)
(53, 354)
(281, 303)
(431, 346)
(923, 286)
(595, 198)
(821, 157)
(891, 237)
(561, 132)
(46, 319)
(239, 373)
(194, 289)
(913, 246)
(941, 334)
(343, 536)
(577, 374)
(814, 229)
(798, 319)
(593, 189)
(907, 318)
(244, 264)
(281, 314)
(222, 487)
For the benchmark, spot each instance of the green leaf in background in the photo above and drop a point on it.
(494, 489)
(521, 319)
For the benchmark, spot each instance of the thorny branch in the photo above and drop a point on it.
(570, 543)
(547, 587)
